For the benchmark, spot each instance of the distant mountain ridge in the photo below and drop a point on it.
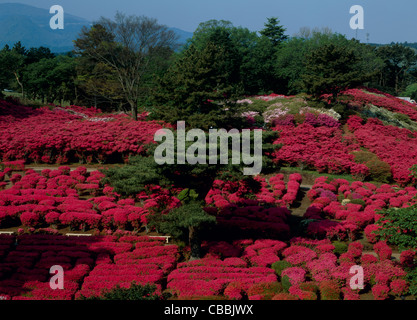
(30, 26)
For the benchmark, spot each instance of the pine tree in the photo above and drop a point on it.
(331, 69)
(186, 222)
(189, 220)
(197, 90)
(274, 31)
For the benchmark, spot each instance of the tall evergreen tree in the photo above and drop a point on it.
(274, 31)
(196, 90)
(331, 69)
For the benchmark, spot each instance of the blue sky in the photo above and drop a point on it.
(385, 21)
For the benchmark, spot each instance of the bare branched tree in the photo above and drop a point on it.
(128, 45)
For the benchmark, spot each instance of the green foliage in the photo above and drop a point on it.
(133, 178)
(399, 226)
(187, 195)
(329, 290)
(286, 283)
(280, 266)
(363, 156)
(413, 171)
(358, 201)
(265, 289)
(309, 286)
(135, 292)
(389, 118)
(186, 92)
(178, 221)
(410, 91)
(143, 170)
(412, 280)
(274, 31)
(331, 69)
(12, 64)
(399, 61)
(340, 247)
(51, 79)
(126, 53)
(184, 222)
(402, 117)
(291, 58)
(253, 56)
(380, 171)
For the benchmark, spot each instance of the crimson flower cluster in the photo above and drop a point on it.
(91, 265)
(396, 146)
(59, 136)
(346, 220)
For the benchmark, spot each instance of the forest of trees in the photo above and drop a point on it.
(134, 64)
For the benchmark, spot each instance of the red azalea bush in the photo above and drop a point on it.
(380, 292)
(365, 96)
(396, 146)
(303, 146)
(271, 192)
(210, 276)
(383, 251)
(60, 136)
(55, 198)
(87, 264)
(352, 207)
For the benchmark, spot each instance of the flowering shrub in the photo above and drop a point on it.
(329, 290)
(375, 97)
(210, 276)
(396, 146)
(398, 287)
(369, 232)
(57, 136)
(304, 146)
(88, 267)
(380, 292)
(383, 251)
(234, 291)
(273, 191)
(296, 275)
(52, 198)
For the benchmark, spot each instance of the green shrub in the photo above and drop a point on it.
(309, 286)
(379, 170)
(340, 108)
(329, 290)
(412, 280)
(265, 289)
(402, 117)
(358, 201)
(340, 247)
(340, 197)
(286, 283)
(299, 118)
(284, 296)
(364, 156)
(399, 226)
(317, 104)
(135, 292)
(280, 266)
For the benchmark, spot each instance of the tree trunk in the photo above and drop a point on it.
(195, 243)
(134, 109)
(20, 84)
(396, 84)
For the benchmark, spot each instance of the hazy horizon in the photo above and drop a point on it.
(384, 22)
